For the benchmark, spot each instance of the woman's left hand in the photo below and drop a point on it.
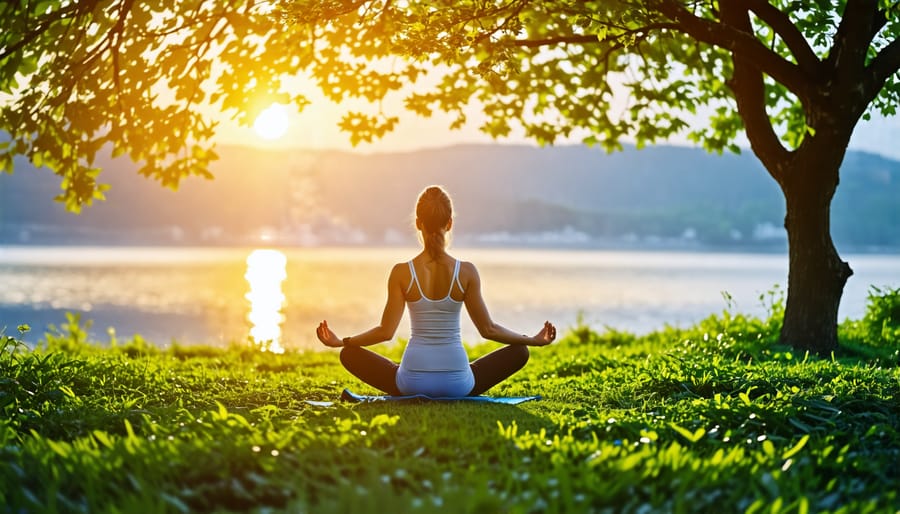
(546, 335)
(327, 336)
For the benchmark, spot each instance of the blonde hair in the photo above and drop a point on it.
(434, 210)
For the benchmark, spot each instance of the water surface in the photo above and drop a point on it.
(216, 295)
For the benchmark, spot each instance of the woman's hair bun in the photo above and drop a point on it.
(434, 209)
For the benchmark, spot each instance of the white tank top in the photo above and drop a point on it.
(435, 361)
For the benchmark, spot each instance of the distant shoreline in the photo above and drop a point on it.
(662, 198)
(597, 246)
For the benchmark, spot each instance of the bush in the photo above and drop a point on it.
(879, 329)
(882, 318)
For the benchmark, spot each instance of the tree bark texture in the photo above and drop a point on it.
(816, 273)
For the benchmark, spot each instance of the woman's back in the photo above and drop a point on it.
(435, 361)
(436, 278)
(434, 320)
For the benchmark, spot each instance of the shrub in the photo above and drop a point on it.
(882, 318)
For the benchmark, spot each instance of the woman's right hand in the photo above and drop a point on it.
(546, 335)
(327, 336)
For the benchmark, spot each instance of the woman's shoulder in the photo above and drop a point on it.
(400, 267)
(466, 265)
(467, 270)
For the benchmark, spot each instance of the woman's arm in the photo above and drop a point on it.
(482, 319)
(390, 318)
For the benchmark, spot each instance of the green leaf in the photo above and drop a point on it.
(129, 430)
(687, 434)
(796, 448)
(60, 448)
(102, 438)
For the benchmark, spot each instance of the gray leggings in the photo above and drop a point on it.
(381, 373)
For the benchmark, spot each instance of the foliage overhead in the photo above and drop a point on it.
(132, 75)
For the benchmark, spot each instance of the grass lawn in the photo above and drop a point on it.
(712, 418)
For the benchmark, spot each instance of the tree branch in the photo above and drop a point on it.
(750, 94)
(738, 41)
(585, 39)
(582, 39)
(117, 31)
(490, 33)
(859, 23)
(784, 27)
(41, 28)
(885, 64)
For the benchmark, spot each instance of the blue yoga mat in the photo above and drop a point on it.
(350, 396)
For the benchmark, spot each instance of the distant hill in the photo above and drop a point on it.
(567, 195)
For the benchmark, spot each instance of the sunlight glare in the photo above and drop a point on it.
(272, 123)
(266, 270)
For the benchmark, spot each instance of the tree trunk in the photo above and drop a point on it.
(816, 273)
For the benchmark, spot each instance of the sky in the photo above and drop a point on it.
(879, 135)
(316, 128)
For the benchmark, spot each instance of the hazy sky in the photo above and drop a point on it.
(316, 127)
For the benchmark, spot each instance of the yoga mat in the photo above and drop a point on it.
(350, 396)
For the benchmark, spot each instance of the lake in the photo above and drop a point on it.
(219, 295)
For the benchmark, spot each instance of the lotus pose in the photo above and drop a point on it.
(434, 286)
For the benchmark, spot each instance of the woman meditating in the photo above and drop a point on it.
(434, 286)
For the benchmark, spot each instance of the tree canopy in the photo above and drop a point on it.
(76, 77)
(795, 77)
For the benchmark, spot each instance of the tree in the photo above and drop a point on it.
(795, 77)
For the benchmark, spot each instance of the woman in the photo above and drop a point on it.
(434, 286)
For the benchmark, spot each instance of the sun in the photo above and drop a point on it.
(272, 123)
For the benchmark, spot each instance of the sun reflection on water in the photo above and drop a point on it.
(266, 270)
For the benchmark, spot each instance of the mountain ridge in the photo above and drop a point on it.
(504, 194)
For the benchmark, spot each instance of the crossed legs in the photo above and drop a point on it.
(497, 366)
(381, 373)
(373, 369)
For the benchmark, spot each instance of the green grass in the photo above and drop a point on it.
(715, 417)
